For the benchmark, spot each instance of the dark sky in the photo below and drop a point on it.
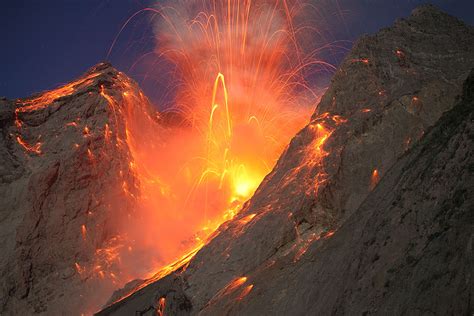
(48, 42)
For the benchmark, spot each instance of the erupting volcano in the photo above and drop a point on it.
(253, 191)
(241, 95)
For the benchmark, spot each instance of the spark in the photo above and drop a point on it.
(160, 309)
(247, 219)
(73, 124)
(107, 132)
(374, 178)
(361, 60)
(399, 53)
(245, 292)
(30, 148)
(84, 232)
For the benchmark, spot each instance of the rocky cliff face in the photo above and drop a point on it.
(63, 167)
(308, 243)
(408, 249)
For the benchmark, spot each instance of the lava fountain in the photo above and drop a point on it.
(239, 74)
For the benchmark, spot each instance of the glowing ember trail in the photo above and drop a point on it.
(160, 310)
(245, 292)
(374, 179)
(29, 148)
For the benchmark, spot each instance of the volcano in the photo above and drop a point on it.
(367, 211)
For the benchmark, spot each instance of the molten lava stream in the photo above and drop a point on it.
(241, 96)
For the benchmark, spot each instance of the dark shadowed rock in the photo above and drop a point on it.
(312, 245)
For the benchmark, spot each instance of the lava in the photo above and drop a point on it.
(84, 232)
(36, 149)
(48, 97)
(374, 179)
(361, 60)
(234, 285)
(245, 292)
(160, 309)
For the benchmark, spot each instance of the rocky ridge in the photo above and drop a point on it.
(63, 164)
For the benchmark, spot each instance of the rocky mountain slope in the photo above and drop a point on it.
(408, 249)
(64, 163)
(322, 235)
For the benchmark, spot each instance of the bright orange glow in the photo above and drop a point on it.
(107, 132)
(48, 97)
(90, 154)
(180, 263)
(86, 132)
(361, 60)
(232, 286)
(79, 269)
(329, 234)
(247, 219)
(245, 292)
(374, 179)
(399, 53)
(160, 309)
(84, 232)
(29, 148)
(236, 283)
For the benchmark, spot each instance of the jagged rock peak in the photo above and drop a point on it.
(101, 67)
(428, 10)
(63, 161)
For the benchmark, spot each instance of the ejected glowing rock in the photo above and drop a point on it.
(307, 217)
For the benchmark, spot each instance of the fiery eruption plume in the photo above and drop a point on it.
(239, 74)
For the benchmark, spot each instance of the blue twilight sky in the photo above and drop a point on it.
(45, 43)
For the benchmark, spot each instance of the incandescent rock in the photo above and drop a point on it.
(306, 242)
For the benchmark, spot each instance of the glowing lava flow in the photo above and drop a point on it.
(42, 101)
(48, 97)
(29, 148)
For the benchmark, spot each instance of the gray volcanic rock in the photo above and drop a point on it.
(62, 165)
(397, 252)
